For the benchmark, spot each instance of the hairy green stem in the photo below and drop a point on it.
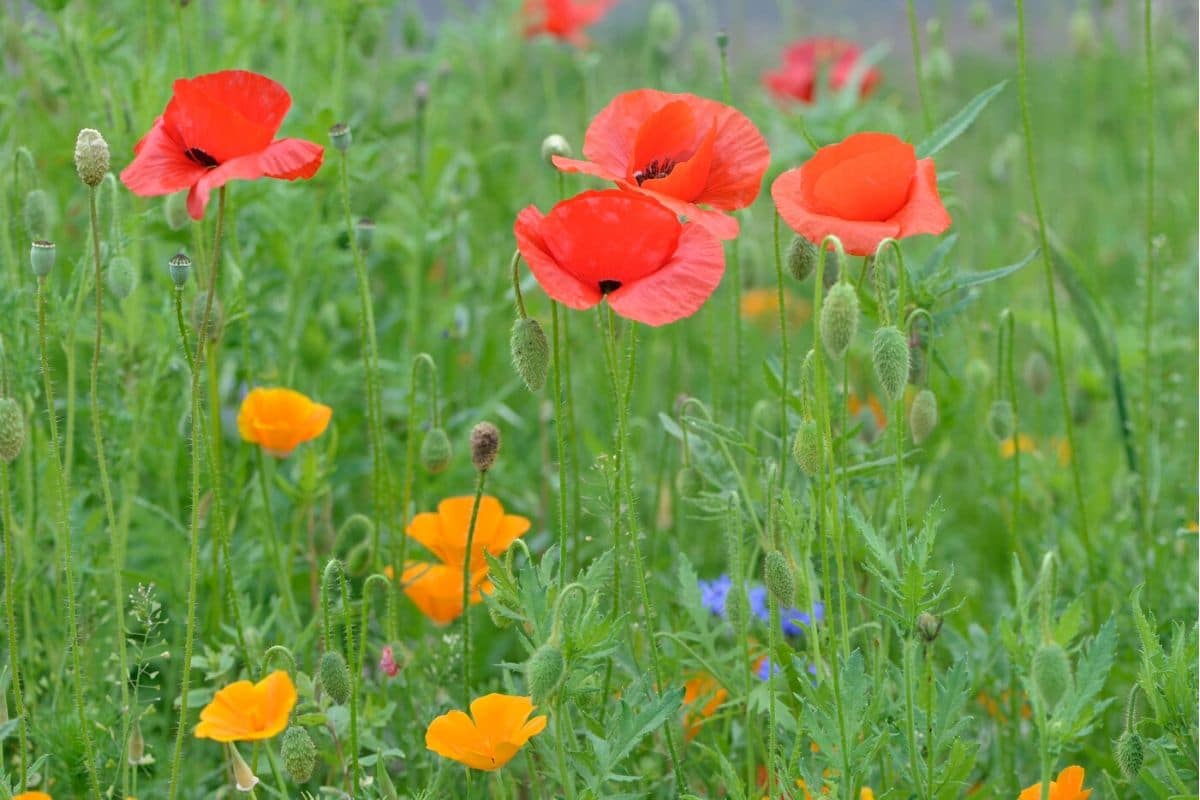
(10, 608)
(783, 366)
(278, 561)
(915, 34)
(480, 478)
(1148, 311)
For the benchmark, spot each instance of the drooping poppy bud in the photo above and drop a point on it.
(1051, 673)
(175, 211)
(122, 278)
(889, 353)
(929, 626)
(41, 257)
(802, 258)
(663, 25)
(335, 676)
(387, 662)
(341, 137)
(1001, 421)
(777, 574)
(1130, 753)
(530, 352)
(180, 267)
(555, 145)
(435, 450)
(485, 444)
(91, 157)
(544, 671)
(807, 448)
(839, 319)
(923, 416)
(299, 753)
(12, 429)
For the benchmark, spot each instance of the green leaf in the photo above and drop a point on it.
(970, 279)
(954, 127)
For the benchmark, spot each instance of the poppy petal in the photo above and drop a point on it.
(226, 114)
(159, 165)
(453, 735)
(740, 158)
(924, 212)
(426, 528)
(668, 134)
(689, 177)
(868, 179)
(554, 280)
(245, 168)
(681, 287)
(290, 159)
(500, 716)
(584, 167)
(718, 223)
(612, 135)
(858, 238)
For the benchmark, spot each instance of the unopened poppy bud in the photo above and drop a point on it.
(530, 352)
(777, 574)
(543, 672)
(122, 278)
(387, 662)
(1037, 373)
(1130, 753)
(341, 137)
(435, 450)
(1051, 673)
(664, 24)
(555, 145)
(979, 374)
(485, 444)
(1001, 421)
(216, 315)
(335, 676)
(802, 258)
(136, 753)
(688, 482)
(38, 214)
(180, 267)
(889, 353)
(41, 257)
(929, 626)
(175, 211)
(364, 233)
(12, 429)
(807, 448)
(839, 319)
(91, 157)
(243, 776)
(923, 416)
(722, 39)
(299, 753)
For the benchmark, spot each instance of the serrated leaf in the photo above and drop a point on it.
(954, 127)
(970, 279)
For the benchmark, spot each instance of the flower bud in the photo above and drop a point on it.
(839, 319)
(122, 278)
(180, 267)
(979, 374)
(1036, 371)
(807, 448)
(889, 353)
(530, 352)
(243, 776)
(688, 482)
(12, 429)
(802, 258)
(1130, 753)
(722, 38)
(664, 25)
(435, 450)
(175, 211)
(923, 416)
(335, 676)
(544, 671)
(1001, 421)
(39, 214)
(299, 753)
(387, 662)
(91, 157)
(364, 233)
(135, 751)
(41, 257)
(929, 626)
(340, 136)
(555, 145)
(485, 444)
(777, 574)
(1051, 673)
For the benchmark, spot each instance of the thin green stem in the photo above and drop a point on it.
(910, 726)
(572, 445)
(783, 367)
(929, 686)
(1148, 312)
(561, 752)
(561, 444)
(278, 561)
(915, 33)
(10, 608)
(183, 337)
(516, 282)
(480, 478)
(355, 676)
(772, 632)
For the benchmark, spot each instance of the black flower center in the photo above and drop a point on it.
(198, 156)
(609, 286)
(655, 169)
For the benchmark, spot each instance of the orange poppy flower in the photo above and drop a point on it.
(218, 128)
(32, 796)
(245, 711)
(498, 727)
(701, 686)
(1008, 447)
(1069, 786)
(865, 189)
(445, 532)
(278, 420)
(625, 248)
(804, 61)
(683, 150)
(858, 410)
(564, 19)
(436, 589)
(761, 306)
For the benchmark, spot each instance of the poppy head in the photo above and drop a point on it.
(497, 728)
(278, 420)
(683, 150)
(864, 189)
(806, 60)
(563, 19)
(624, 247)
(1069, 786)
(436, 589)
(444, 533)
(703, 695)
(217, 128)
(245, 711)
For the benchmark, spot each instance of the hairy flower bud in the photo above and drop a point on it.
(91, 157)
(41, 257)
(1051, 673)
(889, 353)
(341, 137)
(802, 258)
(175, 211)
(39, 214)
(1130, 754)
(335, 676)
(923, 416)
(485, 444)
(180, 267)
(664, 25)
(530, 352)
(299, 753)
(12, 429)
(435, 450)
(1036, 371)
(555, 145)
(929, 626)
(1001, 421)
(544, 671)
(122, 278)
(839, 319)
(807, 448)
(777, 574)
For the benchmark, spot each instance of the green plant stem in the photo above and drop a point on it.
(480, 478)
(1007, 374)
(355, 676)
(915, 33)
(929, 720)
(572, 446)
(1060, 366)
(561, 752)
(772, 633)
(183, 337)
(783, 366)
(278, 561)
(64, 529)
(561, 444)
(194, 533)
(1148, 312)
(10, 604)
(910, 721)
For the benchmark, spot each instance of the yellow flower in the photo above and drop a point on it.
(445, 532)
(278, 420)
(1008, 447)
(32, 796)
(436, 589)
(245, 711)
(1069, 786)
(498, 727)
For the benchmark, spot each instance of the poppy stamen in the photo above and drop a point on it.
(198, 156)
(609, 286)
(655, 169)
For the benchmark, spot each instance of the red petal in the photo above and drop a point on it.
(554, 280)
(585, 167)
(866, 178)
(681, 287)
(718, 223)
(858, 238)
(226, 114)
(246, 168)
(669, 134)
(924, 212)
(289, 159)
(740, 156)
(159, 166)
(689, 177)
(612, 136)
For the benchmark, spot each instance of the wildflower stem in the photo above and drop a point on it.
(516, 281)
(910, 704)
(114, 531)
(915, 33)
(480, 478)
(64, 529)
(278, 560)
(929, 687)
(561, 751)
(183, 337)
(10, 605)
(772, 633)
(1027, 126)
(355, 676)
(1148, 312)
(560, 441)
(572, 443)
(783, 366)
(1006, 374)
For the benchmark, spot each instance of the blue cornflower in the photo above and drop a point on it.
(767, 668)
(713, 594)
(758, 603)
(793, 620)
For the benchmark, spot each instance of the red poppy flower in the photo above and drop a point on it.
(804, 61)
(682, 150)
(623, 246)
(215, 129)
(564, 19)
(864, 189)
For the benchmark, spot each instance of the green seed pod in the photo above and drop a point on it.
(335, 676)
(485, 445)
(688, 482)
(807, 448)
(555, 145)
(435, 450)
(180, 267)
(341, 137)
(664, 25)
(923, 416)
(1051, 673)
(929, 626)
(1130, 753)
(299, 753)
(1001, 421)
(91, 157)
(1036, 371)
(544, 671)
(530, 352)
(41, 257)
(121, 277)
(889, 353)
(12, 429)
(39, 214)
(364, 233)
(839, 319)
(802, 258)
(175, 211)
(777, 574)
